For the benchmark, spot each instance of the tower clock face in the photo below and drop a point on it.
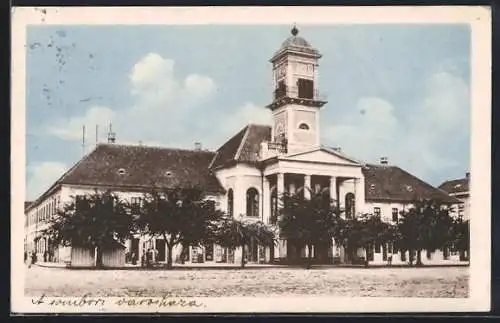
(281, 71)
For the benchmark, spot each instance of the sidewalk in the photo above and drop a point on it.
(208, 266)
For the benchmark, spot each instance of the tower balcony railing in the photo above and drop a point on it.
(294, 92)
(270, 149)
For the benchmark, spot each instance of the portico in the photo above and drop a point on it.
(318, 171)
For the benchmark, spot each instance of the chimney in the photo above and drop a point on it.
(383, 160)
(337, 149)
(197, 146)
(467, 175)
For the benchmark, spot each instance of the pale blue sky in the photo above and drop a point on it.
(400, 91)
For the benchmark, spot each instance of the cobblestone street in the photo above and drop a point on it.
(334, 282)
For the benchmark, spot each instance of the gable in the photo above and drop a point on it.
(323, 156)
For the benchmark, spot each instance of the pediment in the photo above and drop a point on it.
(323, 155)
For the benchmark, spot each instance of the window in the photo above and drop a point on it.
(306, 88)
(395, 214)
(135, 201)
(349, 205)
(303, 126)
(252, 202)
(230, 202)
(377, 247)
(376, 211)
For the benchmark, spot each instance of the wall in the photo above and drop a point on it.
(82, 257)
(114, 257)
(240, 178)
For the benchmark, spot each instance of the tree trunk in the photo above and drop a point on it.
(309, 256)
(242, 256)
(169, 255)
(419, 258)
(98, 261)
(367, 261)
(410, 257)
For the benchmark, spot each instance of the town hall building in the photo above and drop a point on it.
(247, 174)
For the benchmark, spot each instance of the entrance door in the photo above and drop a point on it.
(160, 246)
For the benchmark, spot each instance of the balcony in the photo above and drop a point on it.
(294, 92)
(272, 149)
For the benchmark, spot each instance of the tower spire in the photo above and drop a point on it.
(295, 30)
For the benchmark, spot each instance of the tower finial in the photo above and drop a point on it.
(295, 30)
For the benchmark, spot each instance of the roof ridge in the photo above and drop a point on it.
(232, 137)
(213, 159)
(242, 142)
(158, 147)
(259, 125)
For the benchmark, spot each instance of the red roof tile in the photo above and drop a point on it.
(391, 183)
(460, 185)
(141, 166)
(244, 147)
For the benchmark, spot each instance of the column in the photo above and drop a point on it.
(266, 201)
(359, 189)
(333, 190)
(280, 187)
(307, 186)
(280, 251)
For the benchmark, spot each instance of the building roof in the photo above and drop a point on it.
(27, 204)
(141, 167)
(391, 183)
(296, 43)
(454, 186)
(243, 147)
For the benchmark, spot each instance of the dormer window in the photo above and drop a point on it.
(303, 126)
(168, 173)
(122, 171)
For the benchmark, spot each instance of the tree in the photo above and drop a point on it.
(364, 232)
(426, 226)
(233, 233)
(98, 220)
(461, 236)
(179, 215)
(308, 222)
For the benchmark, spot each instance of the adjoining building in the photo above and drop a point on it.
(248, 173)
(459, 188)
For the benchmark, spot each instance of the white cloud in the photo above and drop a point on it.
(41, 176)
(163, 108)
(418, 140)
(72, 129)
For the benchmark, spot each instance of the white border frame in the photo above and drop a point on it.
(478, 18)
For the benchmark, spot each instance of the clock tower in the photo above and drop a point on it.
(296, 99)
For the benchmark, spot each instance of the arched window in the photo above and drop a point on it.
(349, 205)
(252, 202)
(230, 202)
(304, 126)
